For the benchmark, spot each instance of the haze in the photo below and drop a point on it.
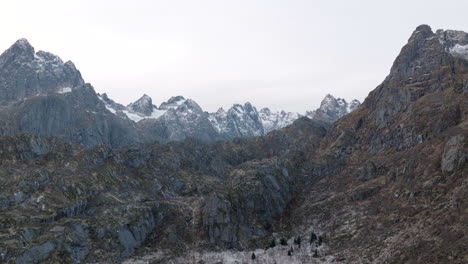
(281, 54)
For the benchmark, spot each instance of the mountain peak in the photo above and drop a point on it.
(21, 48)
(173, 102)
(145, 98)
(144, 105)
(454, 42)
(174, 99)
(424, 28)
(23, 43)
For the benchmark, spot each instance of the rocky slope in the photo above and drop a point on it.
(386, 183)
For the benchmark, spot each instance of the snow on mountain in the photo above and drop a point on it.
(455, 42)
(276, 120)
(183, 118)
(238, 121)
(173, 102)
(179, 118)
(332, 109)
(144, 105)
(353, 105)
(139, 110)
(64, 90)
(25, 73)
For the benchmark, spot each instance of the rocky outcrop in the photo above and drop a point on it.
(257, 195)
(455, 154)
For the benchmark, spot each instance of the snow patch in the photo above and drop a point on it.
(460, 51)
(138, 117)
(133, 116)
(64, 90)
(156, 113)
(112, 110)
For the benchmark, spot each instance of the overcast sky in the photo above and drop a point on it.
(283, 54)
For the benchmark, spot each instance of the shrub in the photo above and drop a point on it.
(273, 243)
(283, 241)
(313, 237)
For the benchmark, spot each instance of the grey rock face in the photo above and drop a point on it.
(133, 235)
(420, 64)
(258, 195)
(37, 253)
(78, 116)
(455, 154)
(24, 73)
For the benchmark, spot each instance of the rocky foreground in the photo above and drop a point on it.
(387, 183)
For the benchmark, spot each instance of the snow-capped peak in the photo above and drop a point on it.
(332, 109)
(173, 102)
(454, 42)
(144, 105)
(273, 120)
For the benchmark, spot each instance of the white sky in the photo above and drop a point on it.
(282, 54)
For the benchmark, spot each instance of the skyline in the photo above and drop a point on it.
(272, 54)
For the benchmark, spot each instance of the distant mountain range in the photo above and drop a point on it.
(185, 118)
(45, 96)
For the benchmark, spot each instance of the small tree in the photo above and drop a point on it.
(253, 255)
(297, 241)
(283, 241)
(313, 237)
(315, 255)
(273, 243)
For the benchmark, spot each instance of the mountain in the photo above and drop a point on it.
(143, 106)
(42, 95)
(276, 120)
(25, 73)
(385, 183)
(332, 109)
(180, 118)
(238, 121)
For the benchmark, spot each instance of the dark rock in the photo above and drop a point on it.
(36, 254)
